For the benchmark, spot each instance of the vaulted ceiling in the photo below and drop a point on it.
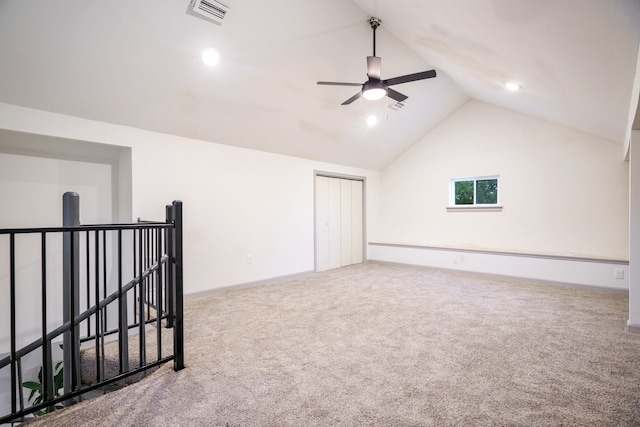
(138, 63)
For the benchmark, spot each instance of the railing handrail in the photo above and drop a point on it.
(89, 227)
(154, 293)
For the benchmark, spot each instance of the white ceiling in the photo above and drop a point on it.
(137, 63)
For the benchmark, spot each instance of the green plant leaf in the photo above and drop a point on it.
(32, 385)
(37, 395)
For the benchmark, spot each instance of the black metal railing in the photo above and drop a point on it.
(121, 288)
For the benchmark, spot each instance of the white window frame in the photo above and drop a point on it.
(475, 205)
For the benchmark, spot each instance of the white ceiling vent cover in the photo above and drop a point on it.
(212, 10)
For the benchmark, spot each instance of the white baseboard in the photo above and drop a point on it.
(584, 272)
(245, 285)
(633, 328)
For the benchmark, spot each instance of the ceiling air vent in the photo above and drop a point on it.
(398, 105)
(210, 9)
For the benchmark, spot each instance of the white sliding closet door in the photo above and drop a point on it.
(345, 222)
(334, 222)
(339, 222)
(322, 223)
(357, 223)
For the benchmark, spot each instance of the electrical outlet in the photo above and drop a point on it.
(618, 273)
(249, 259)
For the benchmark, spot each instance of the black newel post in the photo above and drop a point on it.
(71, 291)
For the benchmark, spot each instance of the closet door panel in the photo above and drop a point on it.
(357, 223)
(334, 223)
(322, 223)
(345, 222)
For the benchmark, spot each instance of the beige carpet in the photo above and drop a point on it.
(390, 345)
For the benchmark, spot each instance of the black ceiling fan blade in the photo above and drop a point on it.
(339, 84)
(396, 96)
(410, 78)
(353, 98)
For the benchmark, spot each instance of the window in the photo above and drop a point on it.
(474, 192)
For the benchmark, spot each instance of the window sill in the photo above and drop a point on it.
(493, 208)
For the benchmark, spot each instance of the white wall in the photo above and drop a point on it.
(564, 194)
(237, 202)
(31, 190)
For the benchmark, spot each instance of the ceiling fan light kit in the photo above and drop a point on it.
(373, 91)
(375, 88)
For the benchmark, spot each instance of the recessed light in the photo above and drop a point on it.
(372, 120)
(211, 57)
(513, 87)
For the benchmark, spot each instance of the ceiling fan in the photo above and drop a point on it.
(375, 87)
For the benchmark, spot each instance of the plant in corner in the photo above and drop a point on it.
(37, 393)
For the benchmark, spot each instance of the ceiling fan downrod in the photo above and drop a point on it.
(375, 23)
